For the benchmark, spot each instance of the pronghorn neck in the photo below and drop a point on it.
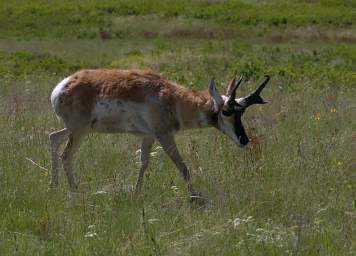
(195, 109)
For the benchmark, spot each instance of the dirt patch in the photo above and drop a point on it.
(202, 33)
(312, 35)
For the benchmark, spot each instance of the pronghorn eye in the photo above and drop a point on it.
(227, 112)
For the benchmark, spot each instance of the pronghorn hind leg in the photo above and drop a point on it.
(146, 147)
(68, 155)
(56, 139)
(170, 147)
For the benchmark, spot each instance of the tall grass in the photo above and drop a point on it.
(290, 192)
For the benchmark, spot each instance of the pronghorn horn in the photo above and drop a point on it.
(260, 88)
(254, 97)
(231, 86)
(233, 93)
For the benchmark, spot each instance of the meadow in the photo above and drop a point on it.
(292, 191)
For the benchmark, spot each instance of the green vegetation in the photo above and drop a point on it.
(59, 18)
(290, 192)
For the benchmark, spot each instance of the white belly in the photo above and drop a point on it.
(112, 116)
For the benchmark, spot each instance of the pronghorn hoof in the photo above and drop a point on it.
(52, 189)
(197, 198)
(52, 186)
(136, 189)
(74, 188)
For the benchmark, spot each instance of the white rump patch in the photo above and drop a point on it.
(58, 90)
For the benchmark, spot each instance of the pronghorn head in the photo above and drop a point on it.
(229, 110)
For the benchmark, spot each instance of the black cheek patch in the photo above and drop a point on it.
(240, 131)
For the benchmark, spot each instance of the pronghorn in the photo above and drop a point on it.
(143, 103)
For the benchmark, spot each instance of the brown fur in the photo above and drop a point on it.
(141, 86)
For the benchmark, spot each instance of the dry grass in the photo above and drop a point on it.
(312, 35)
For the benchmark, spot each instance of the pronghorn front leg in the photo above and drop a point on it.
(56, 139)
(144, 159)
(170, 147)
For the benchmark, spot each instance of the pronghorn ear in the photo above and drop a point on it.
(218, 100)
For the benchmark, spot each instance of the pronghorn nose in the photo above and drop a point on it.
(243, 140)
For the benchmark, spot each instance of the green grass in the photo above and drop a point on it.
(292, 192)
(81, 19)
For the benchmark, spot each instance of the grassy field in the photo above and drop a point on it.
(290, 192)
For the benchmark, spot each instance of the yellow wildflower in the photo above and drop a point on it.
(317, 116)
(333, 110)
